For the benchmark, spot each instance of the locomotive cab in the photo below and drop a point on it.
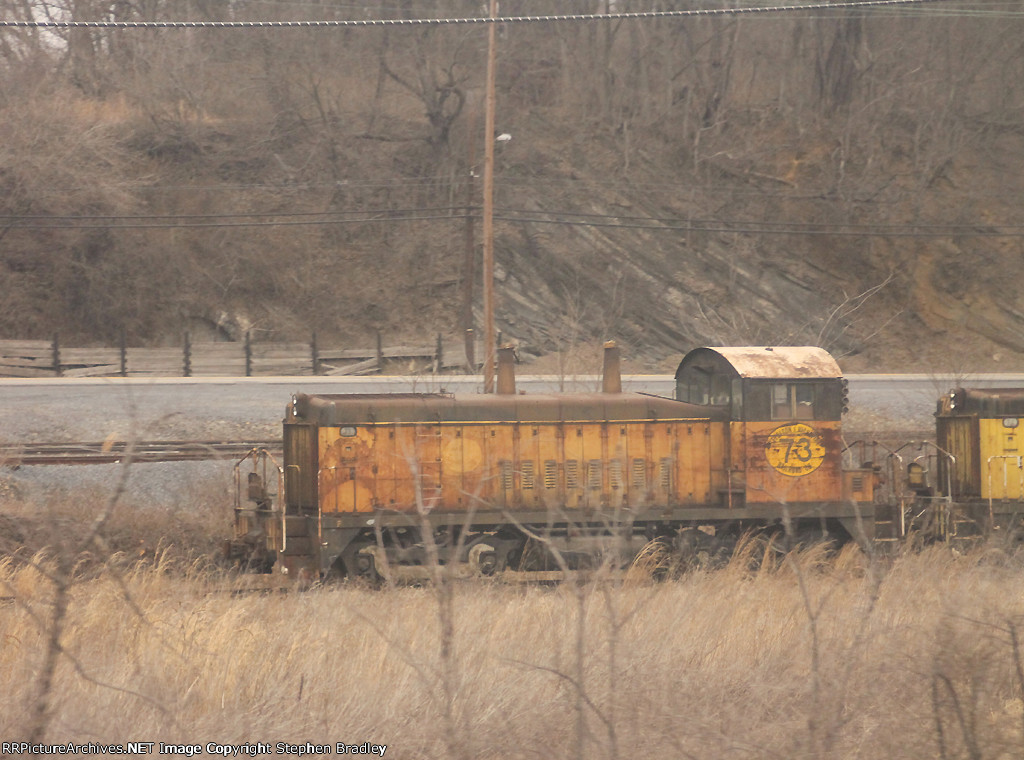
(764, 384)
(784, 405)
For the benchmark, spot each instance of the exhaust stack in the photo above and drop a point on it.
(506, 371)
(612, 377)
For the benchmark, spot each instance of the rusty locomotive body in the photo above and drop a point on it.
(373, 485)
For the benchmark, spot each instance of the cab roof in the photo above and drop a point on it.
(769, 362)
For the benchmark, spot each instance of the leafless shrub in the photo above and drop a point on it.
(847, 662)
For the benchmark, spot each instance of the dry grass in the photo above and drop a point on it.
(185, 525)
(808, 657)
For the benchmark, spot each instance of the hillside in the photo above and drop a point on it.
(847, 179)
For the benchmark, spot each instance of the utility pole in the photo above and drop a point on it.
(469, 261)
(488, 208)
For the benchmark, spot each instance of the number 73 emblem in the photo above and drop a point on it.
(795, 450)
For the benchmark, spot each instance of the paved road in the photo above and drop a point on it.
(209, 408)
(219, 408)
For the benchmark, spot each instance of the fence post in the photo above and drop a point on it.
(380, 354)
(248, 354)
(188, 354)
(56, 355)
(124, 353)
(315, 349)
(438, 356)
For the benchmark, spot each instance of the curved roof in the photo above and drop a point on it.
(773, 362)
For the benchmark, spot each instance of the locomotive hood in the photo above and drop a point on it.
(343, 409)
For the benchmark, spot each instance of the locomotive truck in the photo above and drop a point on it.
(381, 485)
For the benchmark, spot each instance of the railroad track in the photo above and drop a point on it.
(112, 452)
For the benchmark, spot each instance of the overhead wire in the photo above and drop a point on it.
(228, 215)
(466, 21)
(158, 224)
(454, 186)
(456, 213)
(430, 214)
(762, 228)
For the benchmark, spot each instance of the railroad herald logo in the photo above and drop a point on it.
(795, 450)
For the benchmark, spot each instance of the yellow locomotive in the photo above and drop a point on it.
(379, 484)
(980, 469)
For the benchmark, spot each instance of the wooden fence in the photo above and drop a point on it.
(26, 358)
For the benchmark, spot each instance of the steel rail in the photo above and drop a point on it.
(112, 452)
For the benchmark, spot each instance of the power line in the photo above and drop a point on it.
(764, 228)
(157, 224)
(338, 185)
(507, 181)
(566, 219)
(530, 215)
(16, 218)
(71, 221)
(379, 22)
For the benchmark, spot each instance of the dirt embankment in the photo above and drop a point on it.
(843, 181)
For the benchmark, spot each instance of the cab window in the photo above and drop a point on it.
(793, 401)
(701, 386)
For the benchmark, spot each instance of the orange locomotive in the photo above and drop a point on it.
(377, 484)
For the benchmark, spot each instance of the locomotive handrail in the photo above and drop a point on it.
(864, 444)
(895, 488)
(849, 446)
(897, 482)
(257, 455)
(943, 452)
